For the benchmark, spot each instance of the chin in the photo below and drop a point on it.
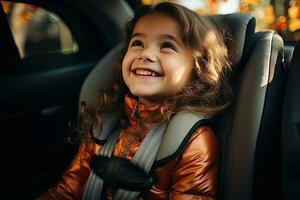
(141, 92)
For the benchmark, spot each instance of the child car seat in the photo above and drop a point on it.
(244, 129)
(249, 131)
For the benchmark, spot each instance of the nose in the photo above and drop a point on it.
(148, 54)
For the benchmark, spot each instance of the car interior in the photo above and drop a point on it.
(258, 134)
(290, 131)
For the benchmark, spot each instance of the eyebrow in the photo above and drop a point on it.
(137, 35)
(162, 36)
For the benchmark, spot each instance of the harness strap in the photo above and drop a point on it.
(94, 186)
(162, 143)
(144, 159)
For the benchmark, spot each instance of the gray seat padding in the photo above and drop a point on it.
(248, 131)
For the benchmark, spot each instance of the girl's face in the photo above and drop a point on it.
(157, 64)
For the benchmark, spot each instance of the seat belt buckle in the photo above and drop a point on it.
(121, 173)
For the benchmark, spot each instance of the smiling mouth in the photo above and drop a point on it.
(146, 72)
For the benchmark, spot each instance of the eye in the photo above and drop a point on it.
(168, 45)
(137, 43)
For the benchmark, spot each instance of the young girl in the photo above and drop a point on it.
(173, 61)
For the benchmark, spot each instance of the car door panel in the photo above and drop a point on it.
(38, 98)
(35, 110)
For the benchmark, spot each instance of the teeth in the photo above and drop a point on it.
(146, 73)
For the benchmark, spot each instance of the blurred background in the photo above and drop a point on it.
(38, 31)
(280, 15)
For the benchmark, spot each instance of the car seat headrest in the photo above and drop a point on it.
(113, 16)
(242, 31)
(100, 77)
(241, 28)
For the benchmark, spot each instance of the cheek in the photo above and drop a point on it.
(124, 68)
(187, 68)
(128, 61)
(181, 71)
(125, 62)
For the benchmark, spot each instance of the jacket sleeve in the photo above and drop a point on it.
(72, 183)
(196, 174)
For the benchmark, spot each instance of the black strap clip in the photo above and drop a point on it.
(121, 173)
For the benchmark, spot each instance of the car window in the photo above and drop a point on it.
(38, 31)
(281, 16)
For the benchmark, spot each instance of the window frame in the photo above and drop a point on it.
(89, 37)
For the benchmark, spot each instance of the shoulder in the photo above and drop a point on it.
(204, 135)
(203, 142)
(197, 165)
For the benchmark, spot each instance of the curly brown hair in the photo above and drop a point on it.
(208, 92)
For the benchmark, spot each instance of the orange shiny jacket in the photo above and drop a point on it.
(191, 175)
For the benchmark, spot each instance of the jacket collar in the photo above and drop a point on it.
(135, 109)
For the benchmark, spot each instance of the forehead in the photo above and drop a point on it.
(157, 24)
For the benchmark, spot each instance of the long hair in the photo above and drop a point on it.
(208, 92)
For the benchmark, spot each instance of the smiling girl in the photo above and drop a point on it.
(157, 64)
(174, 61)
